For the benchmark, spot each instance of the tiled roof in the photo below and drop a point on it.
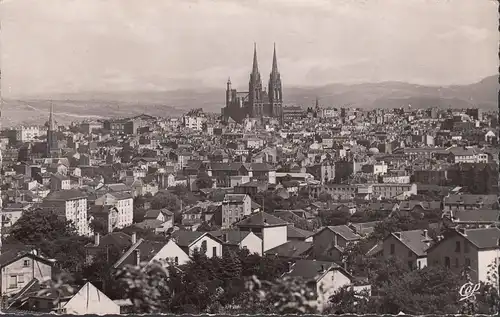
(311, 269)
(297, 233)
(261, 219)
(233, 237)
(469, 199)
(184, 238)
(65, 195)
(291, 249)
(414, 240)
(486, 215)
(234, 198)
(483, 238)
(345, 232)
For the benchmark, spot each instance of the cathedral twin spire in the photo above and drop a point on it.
(255, 85)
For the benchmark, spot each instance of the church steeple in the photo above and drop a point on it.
(275, 89)
(254, 85)
(52, 122)
(51, 133)
(255, 67)
(275, 62)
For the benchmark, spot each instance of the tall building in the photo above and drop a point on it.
(52, 146)
(256, 102)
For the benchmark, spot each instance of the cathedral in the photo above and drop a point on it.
(256, 102)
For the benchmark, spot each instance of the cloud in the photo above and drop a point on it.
(60, 45)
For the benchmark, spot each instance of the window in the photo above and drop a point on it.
(214, 251)
(467, 262)
(204, 246)
(20, 278)
(419, 265)
(447, 262)
(26, 263)
(410, 254)
(466, 247)
(176, 260)
(457, 246)
(456, 262)
(410, 265)
(13, 281)
(393, 249)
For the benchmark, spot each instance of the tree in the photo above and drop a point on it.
(166, 200)
(99, 226)
(206, 227)
(203, 180)
(324, 197)
(146, 286)
(41, 225)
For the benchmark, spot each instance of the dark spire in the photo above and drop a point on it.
(255, 68)
(52, 122)
(275, 61)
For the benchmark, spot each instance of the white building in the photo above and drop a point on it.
(195, 123)
(124, 203)
(27, 134)
(71, 203)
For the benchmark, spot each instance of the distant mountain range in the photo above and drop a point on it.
(79, 106)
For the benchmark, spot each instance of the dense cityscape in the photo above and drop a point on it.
(263, 208)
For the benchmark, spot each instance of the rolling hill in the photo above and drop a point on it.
(78, 106)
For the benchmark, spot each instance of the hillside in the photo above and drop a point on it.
(71, 107)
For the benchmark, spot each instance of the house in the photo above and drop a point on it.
(408, 246)
(87, 300)
(124, 203)
(148, 251)
(475, 218)
(469, 201)
(298, 234)
(189, 241)
(327, 277)
(475, 248)
(60, 182)
(19, 265)
(164, 215)
(235, 239)
(272, 230)
(72, 204)
(106, 215)
(234, 208)
(119, 241)
(329, 242)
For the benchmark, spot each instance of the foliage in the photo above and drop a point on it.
(55, 237)
(34, 227)
(282, 296)
(60, 286)
(207, 227)
(146, 286)
(324, 197)
(348, 301)
(204, 181)
(98, 226)
(166, 200)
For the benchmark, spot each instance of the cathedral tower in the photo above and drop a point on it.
(255, 98)
(275, 90)
(51, 134)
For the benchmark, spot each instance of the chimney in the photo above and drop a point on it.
(134, 238)
(224, 237)
(462, 231)
(426, 234)
(97, 239)
(137, 256)
(322, 269)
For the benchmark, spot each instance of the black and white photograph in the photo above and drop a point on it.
(249, 157)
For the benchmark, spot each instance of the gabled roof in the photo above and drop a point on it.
(313, 270)
(260, 220)
(119, 239)
(415, 240)
(185, 238)
(343, 231)
(147, 250)
(297, 233)
(291, 249)
(231, 237)
(483, 238)
(480, 216)
(470, 199)
(234, 198)
(65, 195)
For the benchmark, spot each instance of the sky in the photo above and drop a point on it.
(66, 46)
